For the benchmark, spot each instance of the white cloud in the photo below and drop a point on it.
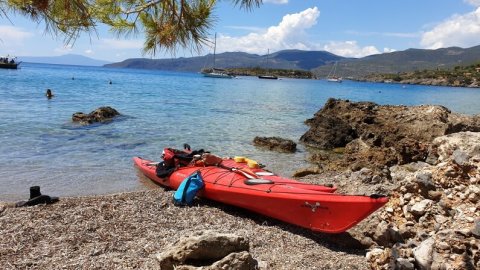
(281, 2)
(13, 36)
(459, 30)
(89, 51)
(288, 34)
(122, 44)
(350, 49)
(388, 50)
(473, 2)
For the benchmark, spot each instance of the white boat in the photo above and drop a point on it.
(332, 77)
(216, 72)
(268, 76)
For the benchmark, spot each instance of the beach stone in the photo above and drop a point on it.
(404, 264)
(419, 209)
(101, 114)
(205, 246)
(460, 157)
(423, 254)
(476, 227)
(467, 142)
(364, 175)
(276, 144)
(235, 261)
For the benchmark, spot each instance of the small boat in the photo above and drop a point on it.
(231, 182)
(332, 77)
(216, 72)
(8, 64)
(268, 77)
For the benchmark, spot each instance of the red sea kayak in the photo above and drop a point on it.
(310, 206)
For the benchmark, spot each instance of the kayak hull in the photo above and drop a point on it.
(290, 201)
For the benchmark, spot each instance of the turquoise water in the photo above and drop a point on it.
(40, 145)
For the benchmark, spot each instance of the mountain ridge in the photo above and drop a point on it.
(319, 62)
(67, 59)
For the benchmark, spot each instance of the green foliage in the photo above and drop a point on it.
(287, 73)
(457, 76)
(166, 24)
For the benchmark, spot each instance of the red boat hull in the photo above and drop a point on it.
(309, 206)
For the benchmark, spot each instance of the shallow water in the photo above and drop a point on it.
(40, 145)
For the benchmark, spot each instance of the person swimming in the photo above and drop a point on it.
(49, 93)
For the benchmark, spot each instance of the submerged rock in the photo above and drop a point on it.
(101, 114)
(276, 143)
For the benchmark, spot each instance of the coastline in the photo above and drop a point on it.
(127, 230)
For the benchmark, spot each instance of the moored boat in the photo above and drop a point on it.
(8, 64)
(310, 206)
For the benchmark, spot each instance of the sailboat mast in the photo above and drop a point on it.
(214, 49)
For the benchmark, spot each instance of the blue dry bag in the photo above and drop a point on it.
(188, 189)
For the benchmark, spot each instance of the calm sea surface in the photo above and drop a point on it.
(40, 145)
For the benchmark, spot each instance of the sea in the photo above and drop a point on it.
(40, 146)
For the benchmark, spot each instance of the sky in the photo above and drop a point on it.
(349, 28)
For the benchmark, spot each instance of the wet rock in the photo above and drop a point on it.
(306, 171)
(101, 114)
(210, 250)
(276, 143)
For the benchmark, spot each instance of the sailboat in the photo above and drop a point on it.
(332, 77)
(216, 72)
(270, 77)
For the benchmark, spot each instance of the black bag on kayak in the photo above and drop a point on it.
(188, 189)
(163, 170)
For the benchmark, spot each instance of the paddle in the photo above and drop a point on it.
(243, 171)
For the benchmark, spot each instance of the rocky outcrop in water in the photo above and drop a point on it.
(102, 114)
(382, 135)
(276, 144)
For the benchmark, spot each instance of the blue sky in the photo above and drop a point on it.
(348, 28)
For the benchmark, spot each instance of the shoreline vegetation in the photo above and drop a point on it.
(459, 76)
(285, 73)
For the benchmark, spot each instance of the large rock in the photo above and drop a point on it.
(210, 250)
(101, 114)
(379, 135)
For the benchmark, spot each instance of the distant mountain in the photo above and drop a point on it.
(68, 59)
(319, 62)
(287, 59)
(403, 61)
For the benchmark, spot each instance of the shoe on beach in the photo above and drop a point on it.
(36, 197)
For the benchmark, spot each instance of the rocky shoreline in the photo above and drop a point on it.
(420, 81)
(425, 158)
